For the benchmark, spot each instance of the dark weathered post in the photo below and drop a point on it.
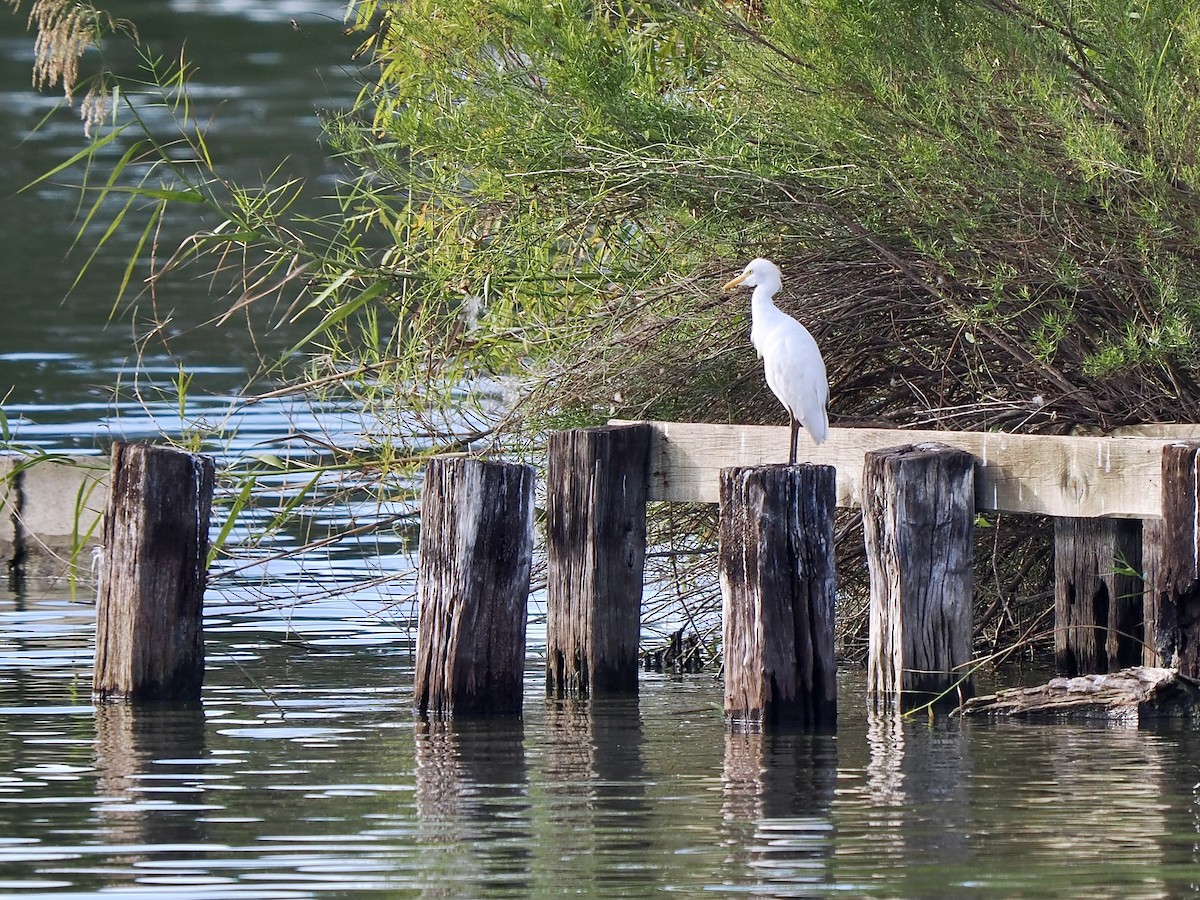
(476, 549)
(596, 551)
(149, 634)
(1097, 602)
(1171, 551)
(918, 521)
(777, 583)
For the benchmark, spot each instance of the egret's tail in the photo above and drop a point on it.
(818, 430)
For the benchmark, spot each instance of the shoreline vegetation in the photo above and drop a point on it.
(987, 214)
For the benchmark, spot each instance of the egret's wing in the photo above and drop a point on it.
(796, 375)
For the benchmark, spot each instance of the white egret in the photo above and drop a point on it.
(791, 358)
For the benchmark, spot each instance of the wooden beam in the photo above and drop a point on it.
(1077, 476)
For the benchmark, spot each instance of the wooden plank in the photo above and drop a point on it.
(1077, 476)
(61, 506)
(1171, 431)
(8, 512)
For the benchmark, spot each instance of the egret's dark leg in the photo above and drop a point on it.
(795, 439)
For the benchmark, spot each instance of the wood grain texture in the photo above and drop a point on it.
(595, 555)
(778, 588)
(1174, 574)
(8, 525)
(1136, 696)
(149, 636)
(1097, 603)
(1052, 475)
(476, 552)
(918, 523)
(1159, 623)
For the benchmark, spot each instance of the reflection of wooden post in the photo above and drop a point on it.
(1173, 564)
(918, 522)
(596, 550)
(454, 757)
(777, 581)
(1097, 609)
(135, 741)
(149, 636)
(476, 549)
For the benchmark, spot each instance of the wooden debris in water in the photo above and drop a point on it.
(1130, 696)
(681, 653)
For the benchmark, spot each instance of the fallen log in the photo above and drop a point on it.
(1131, 696)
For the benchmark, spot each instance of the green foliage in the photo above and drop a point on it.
(1002, 193)
(986, 211)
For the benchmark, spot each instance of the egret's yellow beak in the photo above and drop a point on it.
(735, 282)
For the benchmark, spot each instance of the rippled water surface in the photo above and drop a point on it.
(304, 774)
(72, 375)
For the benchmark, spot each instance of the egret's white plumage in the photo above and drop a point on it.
(791, 359)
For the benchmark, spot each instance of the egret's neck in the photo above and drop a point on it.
(763, 314)
(761, 298)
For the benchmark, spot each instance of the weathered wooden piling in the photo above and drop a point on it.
(596, 550)
(918, 522)
(476, 550)
(149, 634)
(1171, 562)
(778, 587)
(1097, 595)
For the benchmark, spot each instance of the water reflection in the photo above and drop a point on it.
(305, 775)
(472, 792)
(595, 774)
(144, 798)
(777, 802)
(919, 787)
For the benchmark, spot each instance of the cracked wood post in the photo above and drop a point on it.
(1097, 604)
(596, 550)
(150, 603)
(1171, 558)
(778, 587)
(475, 555)
(918, 524)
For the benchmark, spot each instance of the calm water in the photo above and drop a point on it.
(303, 773)
(70, 373)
